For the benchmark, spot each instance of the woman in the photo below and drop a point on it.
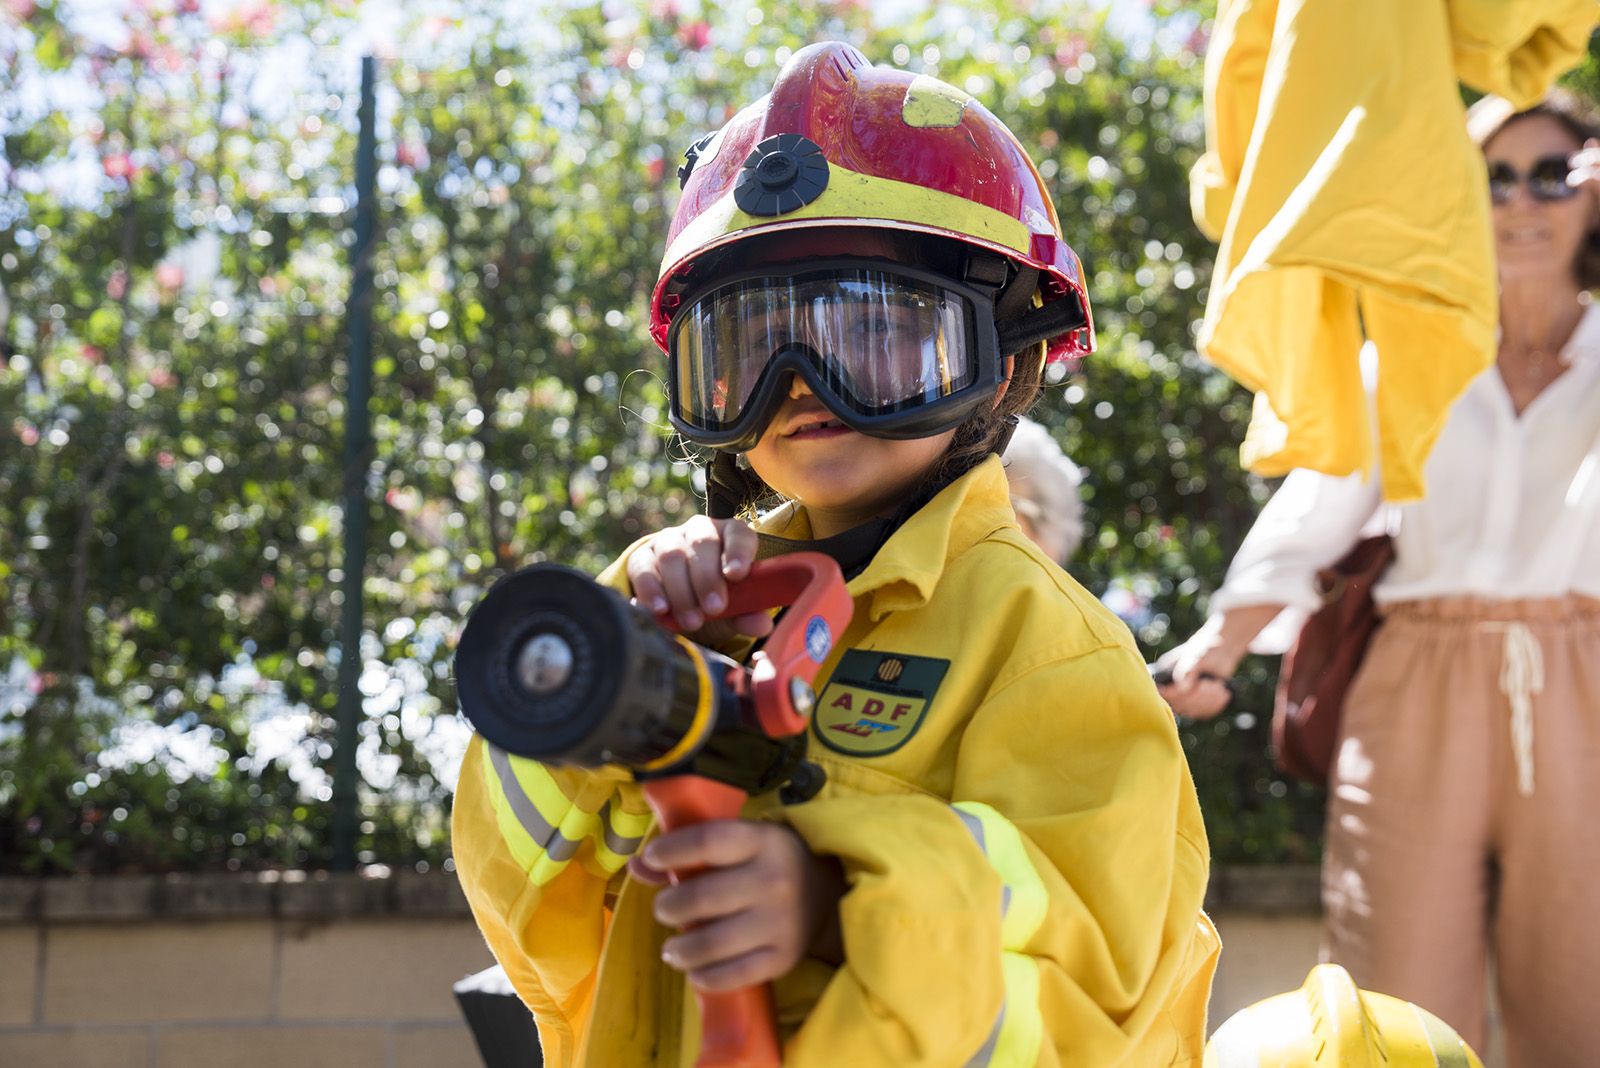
(1460, 819)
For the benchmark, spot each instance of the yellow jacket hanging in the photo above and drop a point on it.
(1008, 797)
(1346, 194)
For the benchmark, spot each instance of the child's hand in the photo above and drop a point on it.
(763, 902)
(684, 572)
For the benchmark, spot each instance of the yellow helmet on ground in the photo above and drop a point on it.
(1331, 1023)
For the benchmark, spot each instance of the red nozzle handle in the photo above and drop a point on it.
(820, 608)
(737, 1028)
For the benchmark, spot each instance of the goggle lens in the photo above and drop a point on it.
(878, 341)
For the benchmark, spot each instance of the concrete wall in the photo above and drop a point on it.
(1271, 924)
(240, 971)
(235, 972)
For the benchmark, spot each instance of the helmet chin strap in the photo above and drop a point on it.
(1004, 439)
(727, 487)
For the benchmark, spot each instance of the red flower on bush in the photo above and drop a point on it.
(253, 18)
(1068, 51)
(410, 154)
(695, 35)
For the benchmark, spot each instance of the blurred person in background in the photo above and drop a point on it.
(1044, 491)
(1460, 808)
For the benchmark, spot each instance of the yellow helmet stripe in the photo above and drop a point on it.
(854, 197)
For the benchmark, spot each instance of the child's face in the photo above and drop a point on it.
(842, 477)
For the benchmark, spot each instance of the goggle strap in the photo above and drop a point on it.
(1040, 324)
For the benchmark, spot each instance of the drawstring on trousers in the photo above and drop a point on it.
(1521, 676)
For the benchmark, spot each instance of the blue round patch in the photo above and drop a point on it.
(819, 639)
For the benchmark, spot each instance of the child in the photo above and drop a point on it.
(1005, 867)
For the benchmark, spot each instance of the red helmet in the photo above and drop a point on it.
(840, 142)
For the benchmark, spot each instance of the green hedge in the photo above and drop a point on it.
(173, 256)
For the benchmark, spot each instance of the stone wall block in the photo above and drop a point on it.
(85, 899)
(328, 896)
(272, 1047)
(365, 970)
(19, 975)
(435, 1047)
(19, 899)
(119, 1048)
(1266, 891)
(157, 972)
(430, 894)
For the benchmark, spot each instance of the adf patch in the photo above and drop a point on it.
(875, 702)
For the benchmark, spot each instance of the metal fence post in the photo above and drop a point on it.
(357, 463)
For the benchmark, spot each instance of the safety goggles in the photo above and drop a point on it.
(1546, 179)
(892, 351)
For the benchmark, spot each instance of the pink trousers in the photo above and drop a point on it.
(1464, 821)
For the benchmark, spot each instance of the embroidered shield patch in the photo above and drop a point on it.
(874, 702)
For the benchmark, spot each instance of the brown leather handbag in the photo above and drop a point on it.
(1318, 670)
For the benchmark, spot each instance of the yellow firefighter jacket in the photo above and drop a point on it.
(1348, 199)
(1006, 793)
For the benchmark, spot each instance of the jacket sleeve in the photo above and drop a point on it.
(1517, 48)
(1310, 522)
(1049, 914)
(1236, 60)
(540, 853)
(538, 850)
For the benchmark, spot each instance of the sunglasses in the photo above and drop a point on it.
(1547, 180)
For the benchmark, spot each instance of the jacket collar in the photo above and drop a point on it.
(905, 571)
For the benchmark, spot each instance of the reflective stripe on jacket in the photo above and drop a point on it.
(1006, 793)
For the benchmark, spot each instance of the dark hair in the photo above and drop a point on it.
(982, 432)
(1492, 115)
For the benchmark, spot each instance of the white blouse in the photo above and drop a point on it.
(1510, 510)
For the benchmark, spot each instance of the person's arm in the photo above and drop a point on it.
(1200, 668)
(539, 851)
(1049, 914)
(1311, 521)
